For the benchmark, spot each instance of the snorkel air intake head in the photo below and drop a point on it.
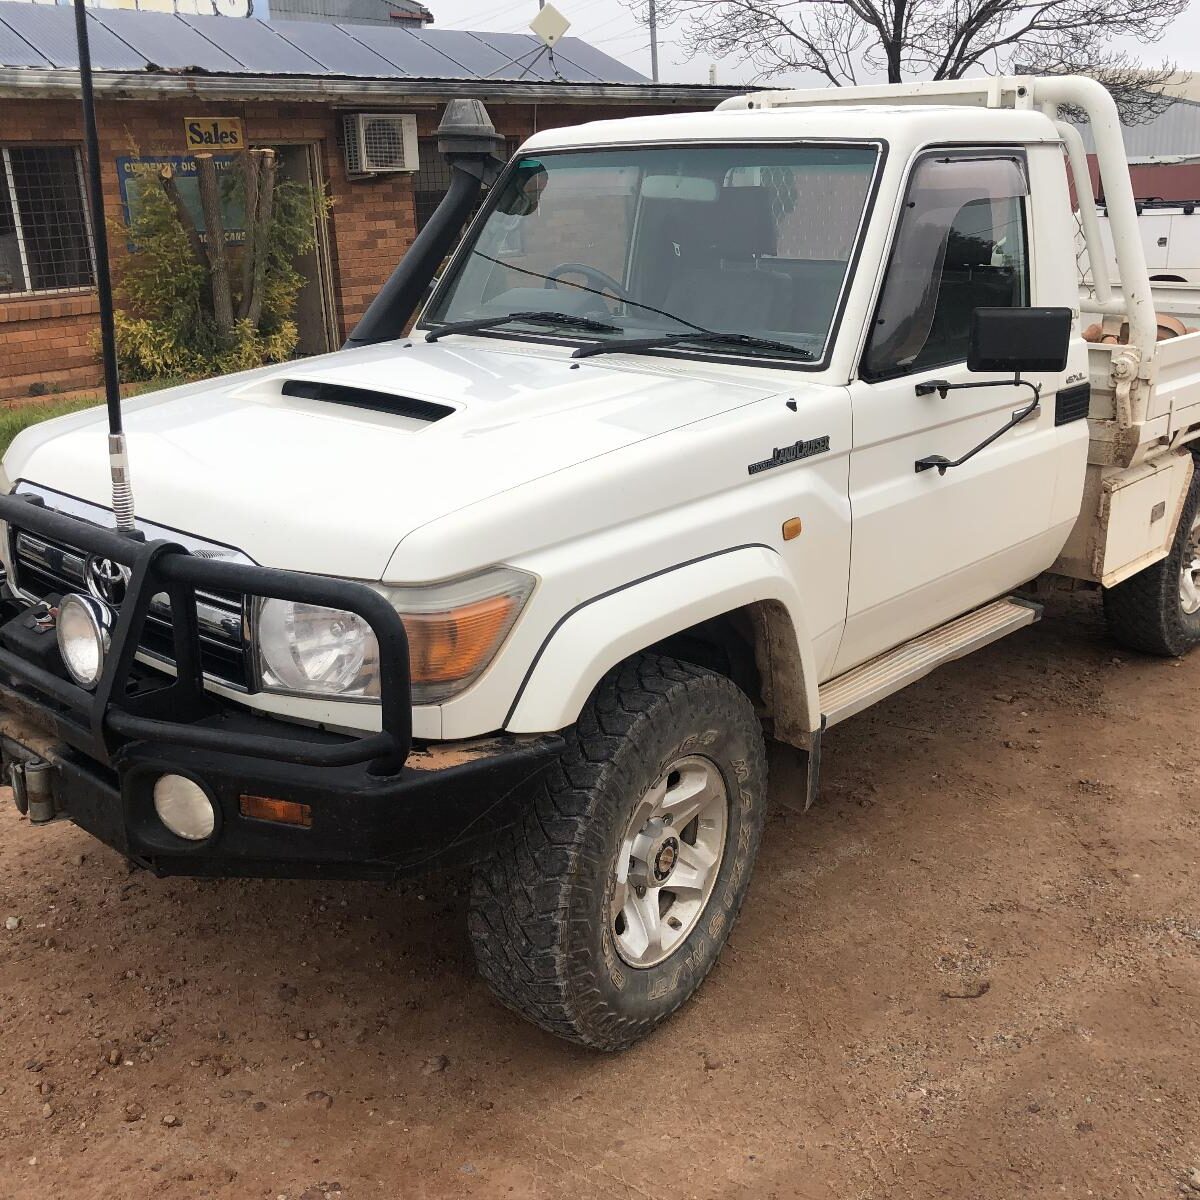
(475, 152)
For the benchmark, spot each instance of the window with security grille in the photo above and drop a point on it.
(44, 241)
(432, 180)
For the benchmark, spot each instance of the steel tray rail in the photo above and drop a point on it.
(102, 720)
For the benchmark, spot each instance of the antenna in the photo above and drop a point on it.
(549, 25)
(118, 458)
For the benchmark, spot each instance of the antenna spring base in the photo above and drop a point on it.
(122, 490)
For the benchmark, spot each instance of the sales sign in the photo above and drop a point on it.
(213, 134)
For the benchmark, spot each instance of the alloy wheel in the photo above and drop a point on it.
(668, 861)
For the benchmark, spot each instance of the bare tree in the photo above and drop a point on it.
(848, 41)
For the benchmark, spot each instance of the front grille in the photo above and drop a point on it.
(42, 567)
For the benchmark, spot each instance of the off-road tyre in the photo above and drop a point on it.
(540, 919)
(1146, 613)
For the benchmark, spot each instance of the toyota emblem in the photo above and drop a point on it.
(106, 579)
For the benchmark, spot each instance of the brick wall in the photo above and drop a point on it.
(48, 341)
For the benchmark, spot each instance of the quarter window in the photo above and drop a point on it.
(44, 242)
(961, 245)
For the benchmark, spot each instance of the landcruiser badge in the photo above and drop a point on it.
(106, 579)
(790, 454)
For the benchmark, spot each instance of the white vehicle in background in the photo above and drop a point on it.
(716, 426)
(1170, 232)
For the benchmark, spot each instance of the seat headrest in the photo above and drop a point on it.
(745, 224)
(965, 252)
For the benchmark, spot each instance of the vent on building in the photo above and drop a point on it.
(380, 142)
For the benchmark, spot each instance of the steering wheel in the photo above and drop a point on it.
(594, 275)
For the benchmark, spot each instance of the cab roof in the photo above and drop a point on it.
(905, 125)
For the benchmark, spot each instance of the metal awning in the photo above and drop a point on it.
(131, 85)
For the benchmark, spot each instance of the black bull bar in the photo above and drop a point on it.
(103, 719)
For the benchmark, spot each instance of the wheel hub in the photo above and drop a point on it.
(653, 854)
(665, 860)
(669, 859)
(1189, 572)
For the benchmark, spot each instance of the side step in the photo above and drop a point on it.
(864, 685)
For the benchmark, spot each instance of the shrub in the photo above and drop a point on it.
(164, 321)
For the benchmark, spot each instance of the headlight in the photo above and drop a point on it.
(454, 630)
(84, 636)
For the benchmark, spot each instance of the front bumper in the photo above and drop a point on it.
(444, 807)
(377, 805)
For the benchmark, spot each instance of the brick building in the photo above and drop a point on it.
(1164, 152)
(156, 72)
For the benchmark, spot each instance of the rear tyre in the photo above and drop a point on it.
(1157, 611)
(607, 903)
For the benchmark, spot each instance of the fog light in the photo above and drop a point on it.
(84, 636)
(184, 808)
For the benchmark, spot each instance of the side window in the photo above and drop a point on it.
(44, 242)
(961, 245)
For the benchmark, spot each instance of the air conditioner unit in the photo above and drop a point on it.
(380, 142)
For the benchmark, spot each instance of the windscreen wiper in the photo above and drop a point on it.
(546, 317)
(633, 345)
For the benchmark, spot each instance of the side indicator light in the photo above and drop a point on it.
(282, 812)
(792, 528)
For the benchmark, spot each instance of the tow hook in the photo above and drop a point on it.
(32, 783)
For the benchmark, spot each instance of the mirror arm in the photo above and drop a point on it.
(942, 386)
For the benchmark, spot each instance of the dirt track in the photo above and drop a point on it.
(1021, 828)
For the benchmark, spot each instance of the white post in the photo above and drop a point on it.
(1077, 157)
(653, 41)
(1105, 121)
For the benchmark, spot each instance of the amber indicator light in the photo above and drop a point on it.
(282, 812)
(792, 528)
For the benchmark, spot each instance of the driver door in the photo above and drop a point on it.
(928, 547)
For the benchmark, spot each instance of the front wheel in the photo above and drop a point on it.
(1157, 611)
(608, 902)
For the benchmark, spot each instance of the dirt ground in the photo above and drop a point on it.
(972, 971)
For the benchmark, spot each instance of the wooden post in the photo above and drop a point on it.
(166, 178)
(262, 232)
(251, 160)
(210, 200)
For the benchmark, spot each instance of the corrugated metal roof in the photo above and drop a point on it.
(1176, 131)
(157, 43)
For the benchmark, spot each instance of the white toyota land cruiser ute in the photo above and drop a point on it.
(715, 426)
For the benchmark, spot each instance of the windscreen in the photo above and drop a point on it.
(748, 239)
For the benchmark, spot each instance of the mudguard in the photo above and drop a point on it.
(602, 631)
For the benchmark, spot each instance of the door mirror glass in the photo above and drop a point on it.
(1012, 340)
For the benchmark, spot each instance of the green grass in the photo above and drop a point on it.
(13, 420)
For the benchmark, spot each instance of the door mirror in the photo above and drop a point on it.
(1012, 340)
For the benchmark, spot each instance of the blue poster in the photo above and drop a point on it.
(232, 211)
